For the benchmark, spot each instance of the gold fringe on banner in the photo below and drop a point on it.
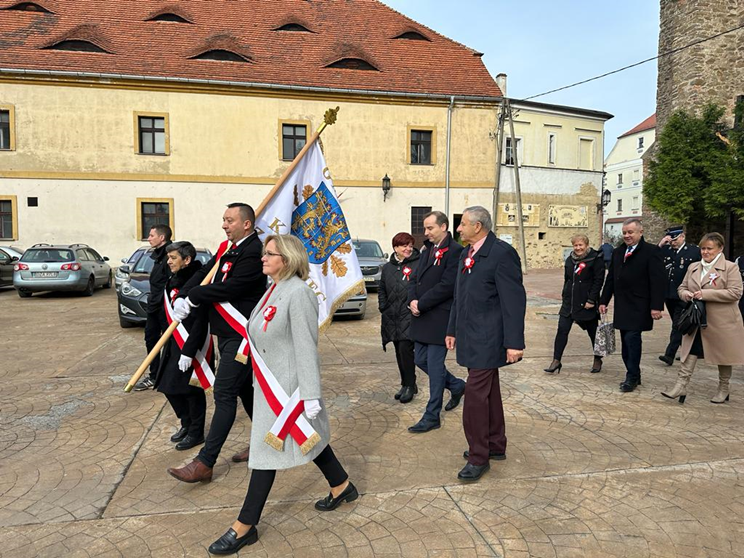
(354, 290)
(310, 443)
(274, 441)
(241, 358)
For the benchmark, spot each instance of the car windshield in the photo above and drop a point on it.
(367, 249)
(47, 255)
(145, 263)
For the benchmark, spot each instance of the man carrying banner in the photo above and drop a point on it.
(234, 291)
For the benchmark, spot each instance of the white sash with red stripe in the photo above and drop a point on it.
(203, 375)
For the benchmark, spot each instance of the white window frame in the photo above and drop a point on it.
(552, 148)
(520, 150)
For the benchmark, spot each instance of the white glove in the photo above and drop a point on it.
(312, 408)
(181, 309)
(184, 363)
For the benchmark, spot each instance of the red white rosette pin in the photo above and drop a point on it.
(407, 273)
(227, 266)
(469, 263)
(438, 255)
(713, 276)
(268, 315)
(580, 268)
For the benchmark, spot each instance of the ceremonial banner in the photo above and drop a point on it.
(306, 206)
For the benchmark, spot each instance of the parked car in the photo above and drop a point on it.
(356, 306)
(61, 267)
(135, 290)
(9, 255)
(371, 259)
(122, 272)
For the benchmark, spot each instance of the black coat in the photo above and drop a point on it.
(676, 264)
(243, 286)
(392, 298)
(169, 378)
(158, 276)
(582, 284)
(490, 303)
(638, 284)
(434, 286)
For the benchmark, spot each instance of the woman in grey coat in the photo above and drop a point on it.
(283, 333)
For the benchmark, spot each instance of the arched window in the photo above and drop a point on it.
(77, 45)
(353, 64)
(220, 55)
(168, 16)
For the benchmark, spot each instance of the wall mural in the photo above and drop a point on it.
(568, 216)
(507, 215)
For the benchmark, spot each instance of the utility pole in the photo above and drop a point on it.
(517, 187)
(499, 137)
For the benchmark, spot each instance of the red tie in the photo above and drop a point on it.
(470, 251)
(234, 246)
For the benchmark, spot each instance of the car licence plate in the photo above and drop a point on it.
(369, 279)
(44, 274)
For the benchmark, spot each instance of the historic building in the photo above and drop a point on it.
(624, 176)
(118, 115)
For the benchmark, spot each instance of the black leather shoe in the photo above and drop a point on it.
(638, 383)
(330, 503)
(180, 435)
(407, 395)
(400, 392)
(627, 387)
(229, 543)
(454, 401)
(424, 426)
(491, 455)
(667, 360)
(189, 442)
(471, 473)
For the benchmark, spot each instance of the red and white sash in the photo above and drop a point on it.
(203, 375)
(288, 410)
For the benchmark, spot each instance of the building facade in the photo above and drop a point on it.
(624, 177)
(104, 139)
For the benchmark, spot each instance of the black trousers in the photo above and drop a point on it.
(191, 408)
(675, 307)
(233, 380)
(406, 365)
(155, 325)
(632, 349)
(564, 327)
(262, 480)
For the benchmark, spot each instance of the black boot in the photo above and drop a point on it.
(400, 392)
(407, 394)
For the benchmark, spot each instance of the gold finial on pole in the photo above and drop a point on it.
(329, 118)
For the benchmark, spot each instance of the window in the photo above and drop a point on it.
(619, 205)
(417, 223)
(7, 219)
(640, 143)
(586, 153)
(509, 153)
(93, 255)
(636, 203)
(151, 212)
(7, 128)
(620, 178)
(28, 7)
(352, 64)
(412, 36)
(221, 55)
(32, 201)
(152, 137)
(294, 137)
(77, 45)
(297, 27)
(551, 149)
(636, 177)
(82, 255)
(421, 141)
(169, 17)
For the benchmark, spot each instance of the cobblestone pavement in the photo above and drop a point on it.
(590, 471)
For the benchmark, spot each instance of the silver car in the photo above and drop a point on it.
(371, 259)
(69, 267)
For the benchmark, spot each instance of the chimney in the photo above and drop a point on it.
(501, 82)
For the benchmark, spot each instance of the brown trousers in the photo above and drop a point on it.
(483, 415)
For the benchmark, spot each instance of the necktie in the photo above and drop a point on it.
(471, 251)
(234, 246)
(628, 252)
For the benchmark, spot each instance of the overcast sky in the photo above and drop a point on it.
(545, 44)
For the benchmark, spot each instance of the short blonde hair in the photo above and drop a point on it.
(580, 236)
(293, 255)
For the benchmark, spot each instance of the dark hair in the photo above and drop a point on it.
(403, 239)
(246, 211)
(184, 248)
(715, 237)
(441, 218)
(163, 230)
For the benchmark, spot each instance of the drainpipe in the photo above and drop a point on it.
(447, 162)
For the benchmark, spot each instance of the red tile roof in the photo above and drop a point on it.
(648, 124)
(340, 28)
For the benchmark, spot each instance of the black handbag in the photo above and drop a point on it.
(692, 318)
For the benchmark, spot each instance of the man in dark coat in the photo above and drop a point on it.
(678, 255)
(430, 298)
(237, 287)
(636, 280)
(486, 326)
(156, 324)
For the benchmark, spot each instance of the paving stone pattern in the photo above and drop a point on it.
(590, 471)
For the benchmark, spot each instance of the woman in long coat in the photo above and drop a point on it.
(583, 278)
(718, 283)
(283, 332)
(395, 315)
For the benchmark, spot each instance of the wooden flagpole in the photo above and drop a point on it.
(329, 118)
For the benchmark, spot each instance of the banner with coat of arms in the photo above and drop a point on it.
(306, 206)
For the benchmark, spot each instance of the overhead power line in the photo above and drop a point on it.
(666, 53)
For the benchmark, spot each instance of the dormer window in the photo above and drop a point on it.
(220, 55)
(77, 45)
(296, 27)
(28, 7)
(352, 64)
(170, 17)
(413, 36)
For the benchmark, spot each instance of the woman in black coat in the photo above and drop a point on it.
(176, 364)
(396, 316)
(583, 278)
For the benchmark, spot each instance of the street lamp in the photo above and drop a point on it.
(606, 197)
(386, 186)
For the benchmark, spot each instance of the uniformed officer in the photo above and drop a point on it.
(678, 255)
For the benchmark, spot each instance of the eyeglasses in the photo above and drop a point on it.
(267, 253)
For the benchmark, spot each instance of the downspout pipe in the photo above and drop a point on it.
(447, 160)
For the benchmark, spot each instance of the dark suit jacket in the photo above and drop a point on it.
(433, 286)
(489, 306)
(243, 286)
(159, 274)
(638, 285)
(676, 264)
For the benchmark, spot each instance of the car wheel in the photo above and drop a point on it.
(125, 324)
(107, 284)
(90, 287)
(24, 293)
